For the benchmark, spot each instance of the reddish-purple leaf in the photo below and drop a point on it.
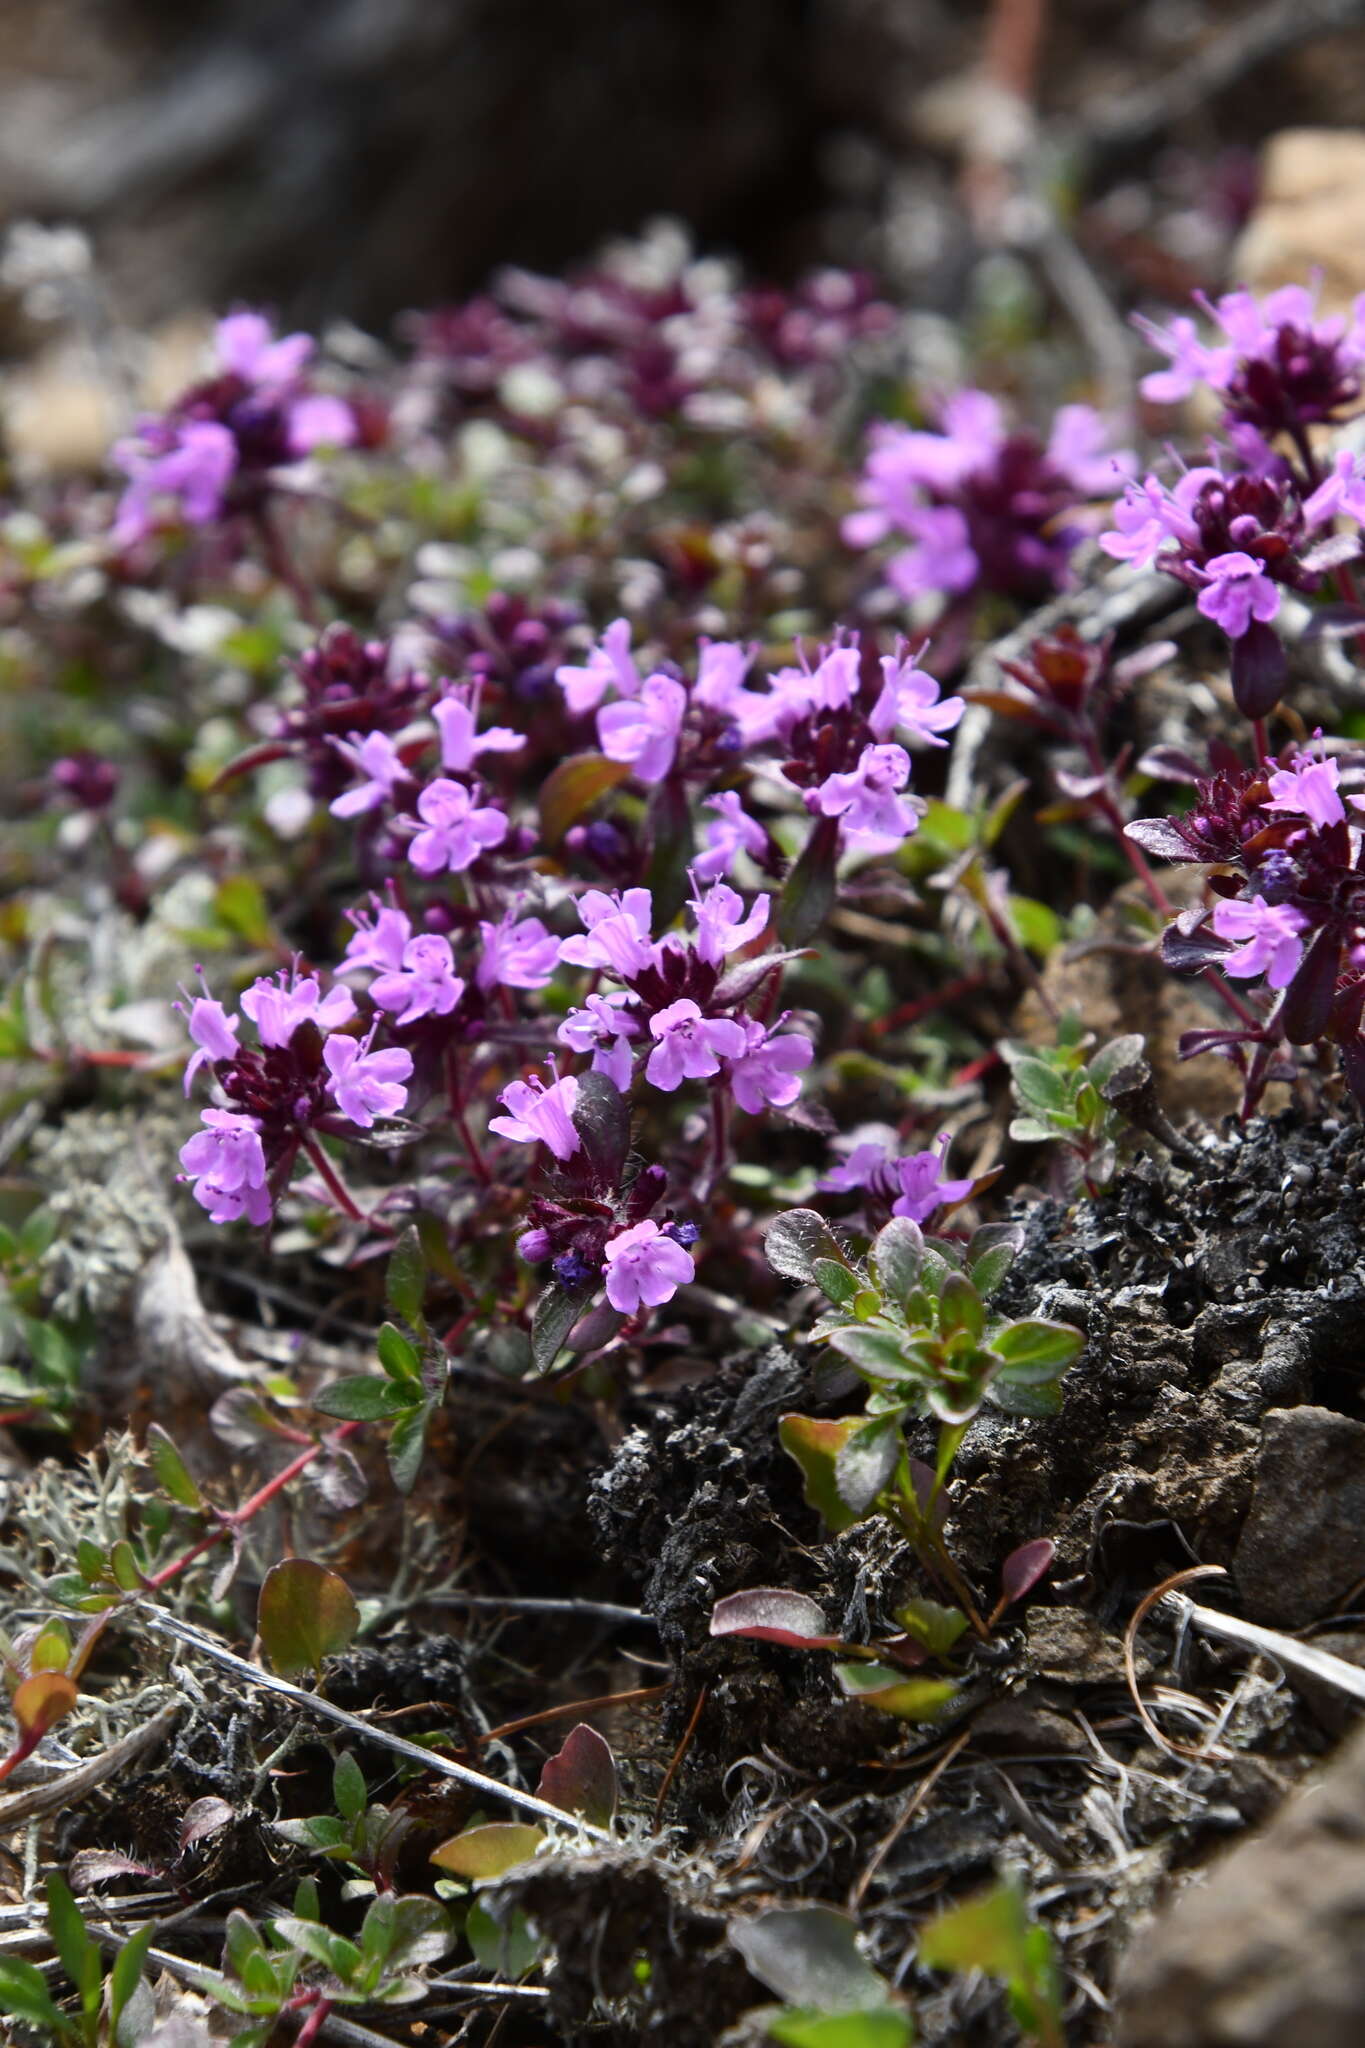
(581, 1778)
(772, 1614)
(202, 1818)
(97, 1866)
(1023, 1568)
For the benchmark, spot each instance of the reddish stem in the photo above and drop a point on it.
(455, 1095)
(335, 1185)
(237, 1518)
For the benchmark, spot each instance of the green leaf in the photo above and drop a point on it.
(349, 1790)
(879, 1353)
(365, 1399)
(891, 1692)
(809, 1956)
(815, 1445)
(305, 1615)
(405, 1281)
(898, 1256)
(399, 1356)
(1039, 1086)
(959, 1308)
(240, 904)
(992, 1932)
(333, 1951)
(1031, 1130)
(1036, 1403)
(810, 890)
(24, 1996)
(421, 1932)
(935, 1626)
(126, 1974)
(483, 1853)
(867, 1460)
(1036, 1349)
(556, 1312)
(80, 1956)
(990, 1255)
(505, 1943)
(172, 1474)
(407, 1441)
(797, 1239)
(838, 1283)
(804, 2027)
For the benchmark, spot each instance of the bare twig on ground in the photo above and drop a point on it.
(428, 1759)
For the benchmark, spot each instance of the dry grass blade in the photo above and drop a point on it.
(74, 1784)
(1295, 1656)
(429, 1759)
(1140, 1613)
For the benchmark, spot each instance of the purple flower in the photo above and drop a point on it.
(379, 943)
(424, 983)
(604, 1028)
(367, 1084)
(722, 927)
(766, 1074)
(645, 1268)
(1280, 369)
(214, 1033)
(188, 465)
(919, 1177)
(1308, 787)
(318, 420)
(721, 670)
(227, 1163)
(610, 664)
(690, 1046)
(516, 954)
(914, 1185)
(246, 347)
(1269, 935)
(1149, 519)
(1238, 591)
(457, 717)
(277, 1006)
(458, 830)
(866, 800)
(733, 832)
(910, 702)
(373, 755)
(618, 935)
(644, 730)
(1342, 490)
(540, 1115)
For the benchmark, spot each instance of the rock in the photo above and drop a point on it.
(1302, 1546)
(1311, 215)
(1271, 1949)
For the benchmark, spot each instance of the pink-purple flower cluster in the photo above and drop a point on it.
(305, 1075)
(979, 506)
(222, 443)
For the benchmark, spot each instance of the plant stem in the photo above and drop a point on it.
(335, 1185)
(455, 1096)
(237, 1518)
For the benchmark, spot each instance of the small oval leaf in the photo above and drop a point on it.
(483, 1853)
(305, 1615)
